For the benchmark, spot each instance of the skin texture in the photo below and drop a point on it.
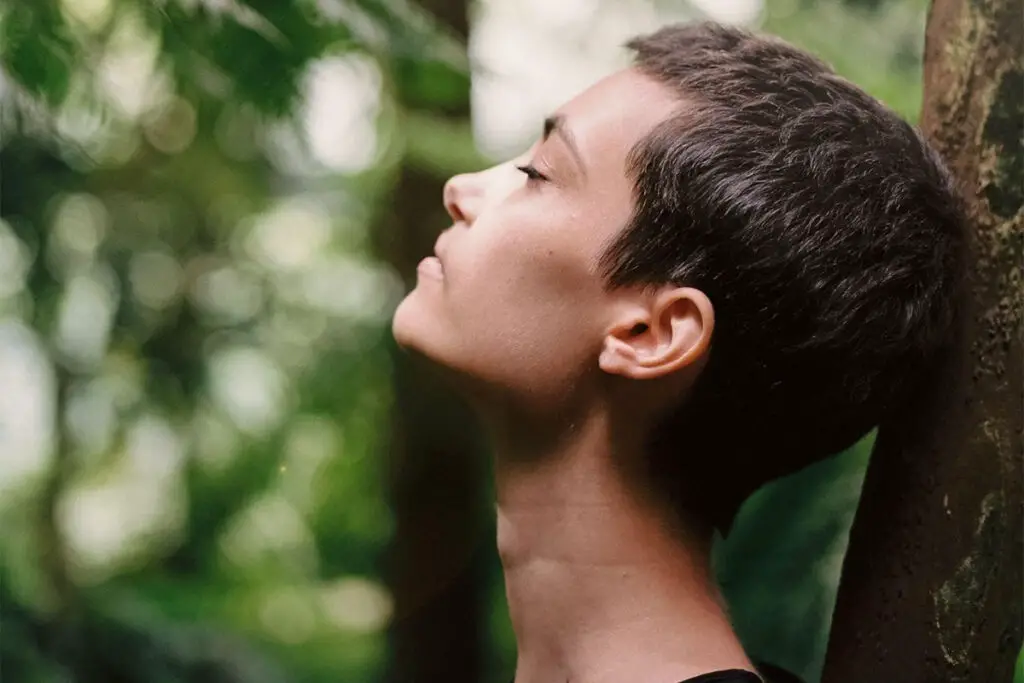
(604, 583)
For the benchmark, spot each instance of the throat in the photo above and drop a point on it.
(601, 592)
(604, 583)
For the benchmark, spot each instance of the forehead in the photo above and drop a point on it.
(611, 116)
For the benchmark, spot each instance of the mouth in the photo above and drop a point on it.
(431, 267)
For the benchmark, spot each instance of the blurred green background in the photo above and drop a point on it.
(209, 209)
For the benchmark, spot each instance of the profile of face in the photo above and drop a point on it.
(513, 303)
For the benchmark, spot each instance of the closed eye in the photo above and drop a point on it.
(531, 172)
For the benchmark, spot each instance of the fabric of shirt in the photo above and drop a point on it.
(769, 674)
(727, 676)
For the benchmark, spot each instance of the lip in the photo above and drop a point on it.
(431, 267)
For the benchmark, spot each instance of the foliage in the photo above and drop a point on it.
(210, 333)
(190, 301)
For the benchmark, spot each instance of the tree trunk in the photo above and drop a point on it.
(932, 582)
(436, 562)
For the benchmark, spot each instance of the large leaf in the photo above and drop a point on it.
(36, 48)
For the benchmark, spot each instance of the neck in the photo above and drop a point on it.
(601, 585)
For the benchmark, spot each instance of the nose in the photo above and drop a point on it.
(462, 198)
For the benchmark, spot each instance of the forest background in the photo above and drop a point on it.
(208, 211)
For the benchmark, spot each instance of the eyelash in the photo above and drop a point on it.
(531, 172)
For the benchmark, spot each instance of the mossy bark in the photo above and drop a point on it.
(932, 583)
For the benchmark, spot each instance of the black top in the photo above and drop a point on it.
(727, 676)
(769, 674)
(773, 674)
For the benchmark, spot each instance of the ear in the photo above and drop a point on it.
(658, 334)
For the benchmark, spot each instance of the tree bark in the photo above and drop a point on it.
(435, 565)
(932, 582)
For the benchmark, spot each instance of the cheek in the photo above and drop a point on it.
(525, 268)
(528, 305)
(541, 250)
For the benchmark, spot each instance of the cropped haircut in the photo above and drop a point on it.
(828, 236)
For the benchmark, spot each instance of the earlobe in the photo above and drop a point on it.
(666, 332)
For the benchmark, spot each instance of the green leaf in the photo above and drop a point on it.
(37, 49)
(431, 84)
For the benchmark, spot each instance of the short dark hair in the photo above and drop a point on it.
(827, 234)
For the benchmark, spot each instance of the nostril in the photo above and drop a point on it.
(451, 201)
(455, 212)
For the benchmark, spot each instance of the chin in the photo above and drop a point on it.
(404, 323)
(417, 330)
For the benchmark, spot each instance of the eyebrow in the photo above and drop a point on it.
(556, 124)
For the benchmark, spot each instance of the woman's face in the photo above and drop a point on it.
(513, 301)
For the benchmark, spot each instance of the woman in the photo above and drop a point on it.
(712, 269)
